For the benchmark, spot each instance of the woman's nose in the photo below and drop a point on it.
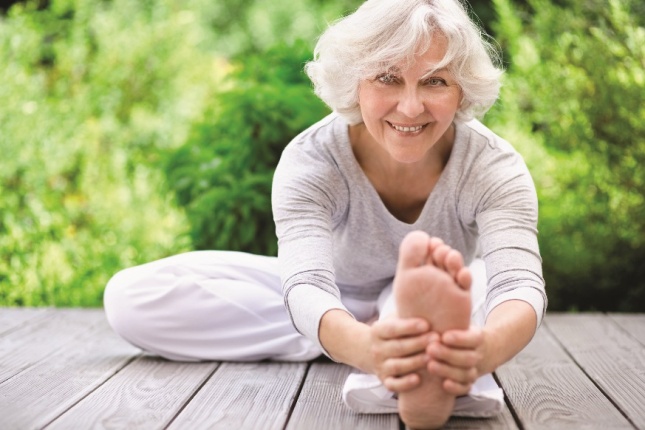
(410, 103)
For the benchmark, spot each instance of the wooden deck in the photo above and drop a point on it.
(65, 369)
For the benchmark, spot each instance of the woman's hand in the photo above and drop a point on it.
(457, 358)
(398, 350)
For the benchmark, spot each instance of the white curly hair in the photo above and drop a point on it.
(381, 34)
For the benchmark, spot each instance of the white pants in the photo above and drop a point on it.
(221, 305)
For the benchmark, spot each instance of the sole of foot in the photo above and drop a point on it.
(429, 289)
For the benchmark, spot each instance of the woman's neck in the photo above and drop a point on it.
(404, 188)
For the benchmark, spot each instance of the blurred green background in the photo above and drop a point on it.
(135, 129)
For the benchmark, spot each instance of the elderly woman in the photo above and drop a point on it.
(380, 210)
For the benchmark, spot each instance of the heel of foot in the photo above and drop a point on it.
(426, 421)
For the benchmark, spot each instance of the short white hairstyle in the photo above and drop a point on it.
(382, 34)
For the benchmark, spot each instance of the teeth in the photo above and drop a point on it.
(407, 129)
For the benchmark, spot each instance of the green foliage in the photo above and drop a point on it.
(91, 92)
(573, 102)
(256, 25)
(223, 174)
(122, 142)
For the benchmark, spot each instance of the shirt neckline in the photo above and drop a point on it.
(440, 187)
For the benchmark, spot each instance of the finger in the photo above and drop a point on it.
(463, 339)
(404, 347)
(455, 374)
(404, 365)
(464, 358)
(400, 384)
(455, 388)
(395, 328)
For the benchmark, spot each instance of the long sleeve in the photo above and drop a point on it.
(307, 198)
(505, 207)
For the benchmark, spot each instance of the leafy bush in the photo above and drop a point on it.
(573, 103)
(107, 104)
(223, 174)
(91, 92)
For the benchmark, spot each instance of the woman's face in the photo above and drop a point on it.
(408, 111)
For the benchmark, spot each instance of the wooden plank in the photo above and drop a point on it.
(634, 324)
(13, 318)
(320, 405)
(244, 396)
(547, 390)
(147, 394)
(38, 395)
(610, 356)
(503, 421)
(31, 343)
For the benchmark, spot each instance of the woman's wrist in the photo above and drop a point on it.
(489, 362)
(509, 328)
(345, 339)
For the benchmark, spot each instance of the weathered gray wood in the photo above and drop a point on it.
(503, 421)
(13, 318)
(31, 343)
(147, 395)
(547, 390)
(609, 355)
(634, 324)
(320, 405)
(44, 391)
(68, 369)
(244, 396)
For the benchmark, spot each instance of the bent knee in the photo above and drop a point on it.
(119, 306)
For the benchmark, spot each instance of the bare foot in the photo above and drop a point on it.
(430, 283)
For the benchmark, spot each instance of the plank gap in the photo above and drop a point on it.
(192, 396)
(297, 396)
(64, 411)
(509, 405)
(593, 381)
(26, 317)
(631, 324)
(48, 336)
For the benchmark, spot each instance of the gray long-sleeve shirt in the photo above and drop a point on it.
(336, 237)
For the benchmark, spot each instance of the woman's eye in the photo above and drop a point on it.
(386, 78)
(435, 82)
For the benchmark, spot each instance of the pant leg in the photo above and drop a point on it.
(206, 305)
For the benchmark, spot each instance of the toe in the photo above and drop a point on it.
(454, 262)
(464, 278)
(414, 250)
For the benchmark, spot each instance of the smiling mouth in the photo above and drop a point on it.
(407, 129)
